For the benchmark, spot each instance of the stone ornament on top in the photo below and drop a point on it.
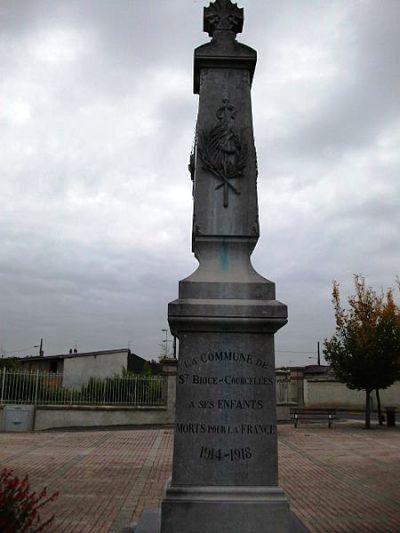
(222, 15)
(223, 20)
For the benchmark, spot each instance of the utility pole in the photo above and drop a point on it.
(40, 346)
(318, 355)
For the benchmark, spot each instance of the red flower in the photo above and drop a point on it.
(18, 507)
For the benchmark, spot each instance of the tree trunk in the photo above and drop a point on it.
(378, 402)
(367, 410)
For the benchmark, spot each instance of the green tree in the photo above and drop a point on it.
(364, 352)
(10, 363)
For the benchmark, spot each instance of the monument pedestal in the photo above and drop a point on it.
(225, 466)
(268, 511)
(219, 509)
(225, 474)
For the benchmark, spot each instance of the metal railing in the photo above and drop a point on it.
(42, 388)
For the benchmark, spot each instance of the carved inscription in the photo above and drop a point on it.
(234, 454)
(216, 377)
(195, 379)
(240, 358)
(227, 404)
(226, 429)
(225, 356)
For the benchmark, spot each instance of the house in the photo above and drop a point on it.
(78, 368)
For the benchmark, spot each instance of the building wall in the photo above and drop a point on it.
(324, 393)
(78, 370)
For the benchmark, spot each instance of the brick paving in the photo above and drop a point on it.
(340, 480)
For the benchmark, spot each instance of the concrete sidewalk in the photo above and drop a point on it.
(345, 479)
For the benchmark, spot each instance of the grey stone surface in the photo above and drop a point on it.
(225, 509)
(150, 522)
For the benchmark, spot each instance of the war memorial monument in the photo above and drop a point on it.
(225, 467)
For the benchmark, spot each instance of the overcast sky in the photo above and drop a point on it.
(97, 120)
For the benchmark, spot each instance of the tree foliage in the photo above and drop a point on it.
(10, 363)
(364, 352)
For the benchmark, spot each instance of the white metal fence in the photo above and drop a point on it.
(42, 388)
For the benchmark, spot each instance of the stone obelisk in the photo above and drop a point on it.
(225, 470)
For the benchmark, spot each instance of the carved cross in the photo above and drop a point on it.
(222, 15)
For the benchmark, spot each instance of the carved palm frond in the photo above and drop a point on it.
(222, 153)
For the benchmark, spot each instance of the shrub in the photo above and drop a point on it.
(19, 507)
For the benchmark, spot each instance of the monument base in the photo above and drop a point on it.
(215, 509)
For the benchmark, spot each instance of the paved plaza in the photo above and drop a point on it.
(345, 479)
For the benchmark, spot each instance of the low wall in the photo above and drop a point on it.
(48, 417)
(53, 417)
(325, 393)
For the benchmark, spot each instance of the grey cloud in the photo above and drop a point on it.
(356, 112)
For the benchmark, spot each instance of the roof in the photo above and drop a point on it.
(317, 369)
(71, 355)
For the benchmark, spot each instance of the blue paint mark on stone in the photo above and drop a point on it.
(224, 257)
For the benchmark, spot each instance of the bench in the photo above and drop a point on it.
(312, 415)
